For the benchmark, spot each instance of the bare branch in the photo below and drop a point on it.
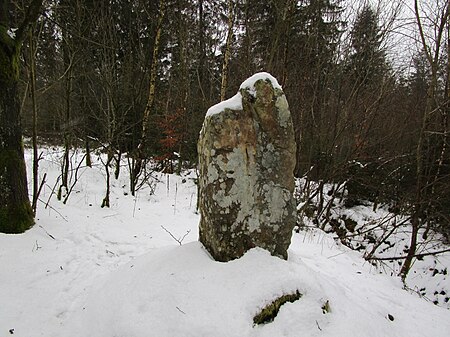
(405, 256)
(179, 240)
(31, 16)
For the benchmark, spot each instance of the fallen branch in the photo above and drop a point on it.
(180, 310)
(383, 239)
(47, 233)
(53, 208)
(404, 257)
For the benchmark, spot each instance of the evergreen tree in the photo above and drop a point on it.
(367, 63)
(312, 81)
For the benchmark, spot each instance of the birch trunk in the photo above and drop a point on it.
(139, 157)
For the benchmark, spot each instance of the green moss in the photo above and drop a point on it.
(269, 312)
(16, 219)
(8, 157)
(6, 161)
(9, 57)
(15, 216)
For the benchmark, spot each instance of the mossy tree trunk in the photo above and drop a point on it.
(16, 214)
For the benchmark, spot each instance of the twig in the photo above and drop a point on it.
(181, 311)
(52, 192)
(76, 180)
(330, 257)
(47, 233)
(383, 239)
(111, 253)
(417, 292)
(185, 236)
(179, 240)
(36, 247)
(318, 326)
(109, 216)
(175, 202)
(53, 208)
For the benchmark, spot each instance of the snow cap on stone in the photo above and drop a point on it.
(235, 102)
(249, 83)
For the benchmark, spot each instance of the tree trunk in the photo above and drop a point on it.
(117, 169)
(63, 188)
(153, 72)
(139, 160)
(32, 74)
(105, 202)
(423, 182)
(88, 151)
(227, 55)
(16, 214)
(415, 224)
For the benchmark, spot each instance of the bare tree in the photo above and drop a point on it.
(423, 189)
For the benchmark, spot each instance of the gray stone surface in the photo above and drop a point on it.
(246, 162)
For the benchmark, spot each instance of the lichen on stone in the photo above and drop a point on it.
(246, 163)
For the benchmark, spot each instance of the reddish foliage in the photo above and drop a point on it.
(172, 129)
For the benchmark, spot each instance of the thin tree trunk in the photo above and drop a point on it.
(117, 169)
(415, 224)
(444, 124)
(201, 70)
(153, 74)
(34, 128)
(88, 151)
(421, 181)
(227, 55)
(105, 202)
(138, 162)
(67, 141)
(63, 188)
(87, 145)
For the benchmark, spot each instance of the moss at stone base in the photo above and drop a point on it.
(15, 220)
(269, 312)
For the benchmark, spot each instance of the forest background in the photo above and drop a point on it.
(368, 84)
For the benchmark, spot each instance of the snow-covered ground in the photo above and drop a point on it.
(382, 237)
(83, 270)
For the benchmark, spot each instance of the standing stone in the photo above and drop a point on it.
(246, 161)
